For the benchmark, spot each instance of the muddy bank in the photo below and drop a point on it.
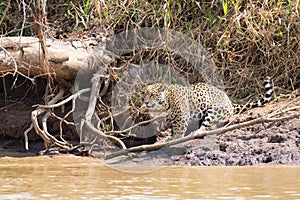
(276, 145)
(264, 143)
(261, 144)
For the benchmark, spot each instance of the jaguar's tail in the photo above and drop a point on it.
(242, 108)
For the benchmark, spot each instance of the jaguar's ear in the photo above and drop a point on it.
(160, 87)
(141, 88)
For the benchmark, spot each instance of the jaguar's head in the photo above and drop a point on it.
(154, 95)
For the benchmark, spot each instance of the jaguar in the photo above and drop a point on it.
(200, 101)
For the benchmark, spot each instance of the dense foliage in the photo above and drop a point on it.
(247, 39)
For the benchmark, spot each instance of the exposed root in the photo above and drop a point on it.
(50, 140)
(97, 80)
(101, 135)
(43, 133)
(26, 136)
(62, 145)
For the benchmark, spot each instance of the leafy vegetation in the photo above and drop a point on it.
(247, 39)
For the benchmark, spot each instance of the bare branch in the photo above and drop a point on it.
(197, 134)
(103, 136)
(74, 96)
(96, 84)
(135, 125)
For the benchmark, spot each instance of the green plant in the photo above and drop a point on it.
(225, 6)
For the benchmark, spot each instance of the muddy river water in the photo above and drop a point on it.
(68, 177)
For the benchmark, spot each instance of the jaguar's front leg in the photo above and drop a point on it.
(180, 124)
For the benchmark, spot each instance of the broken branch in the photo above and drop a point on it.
(197, 134)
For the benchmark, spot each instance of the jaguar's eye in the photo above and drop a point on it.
(160, 101)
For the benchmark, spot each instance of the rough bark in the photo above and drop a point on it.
(23, 55)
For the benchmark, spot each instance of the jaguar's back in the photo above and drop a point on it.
(200, 101)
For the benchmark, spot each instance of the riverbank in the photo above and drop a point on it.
(264, 143)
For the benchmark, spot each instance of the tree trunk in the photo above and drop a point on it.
(24, 55)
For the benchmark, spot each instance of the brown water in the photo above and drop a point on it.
(67, 177)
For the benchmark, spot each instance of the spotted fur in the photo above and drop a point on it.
(197, 102)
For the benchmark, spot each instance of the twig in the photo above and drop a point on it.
(12, 58)
(26, 136)
(103, 136)
(135, 125)
(4, 13)
(73, 96)
(280, 110)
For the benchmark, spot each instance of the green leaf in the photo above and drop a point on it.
(280, 33)
(241, 32)
(225, 6)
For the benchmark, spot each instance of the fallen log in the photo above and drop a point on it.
(24, 55)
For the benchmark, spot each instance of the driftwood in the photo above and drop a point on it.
(272, 117)
(24, 55)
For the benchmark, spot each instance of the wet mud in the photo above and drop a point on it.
(263, 143)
